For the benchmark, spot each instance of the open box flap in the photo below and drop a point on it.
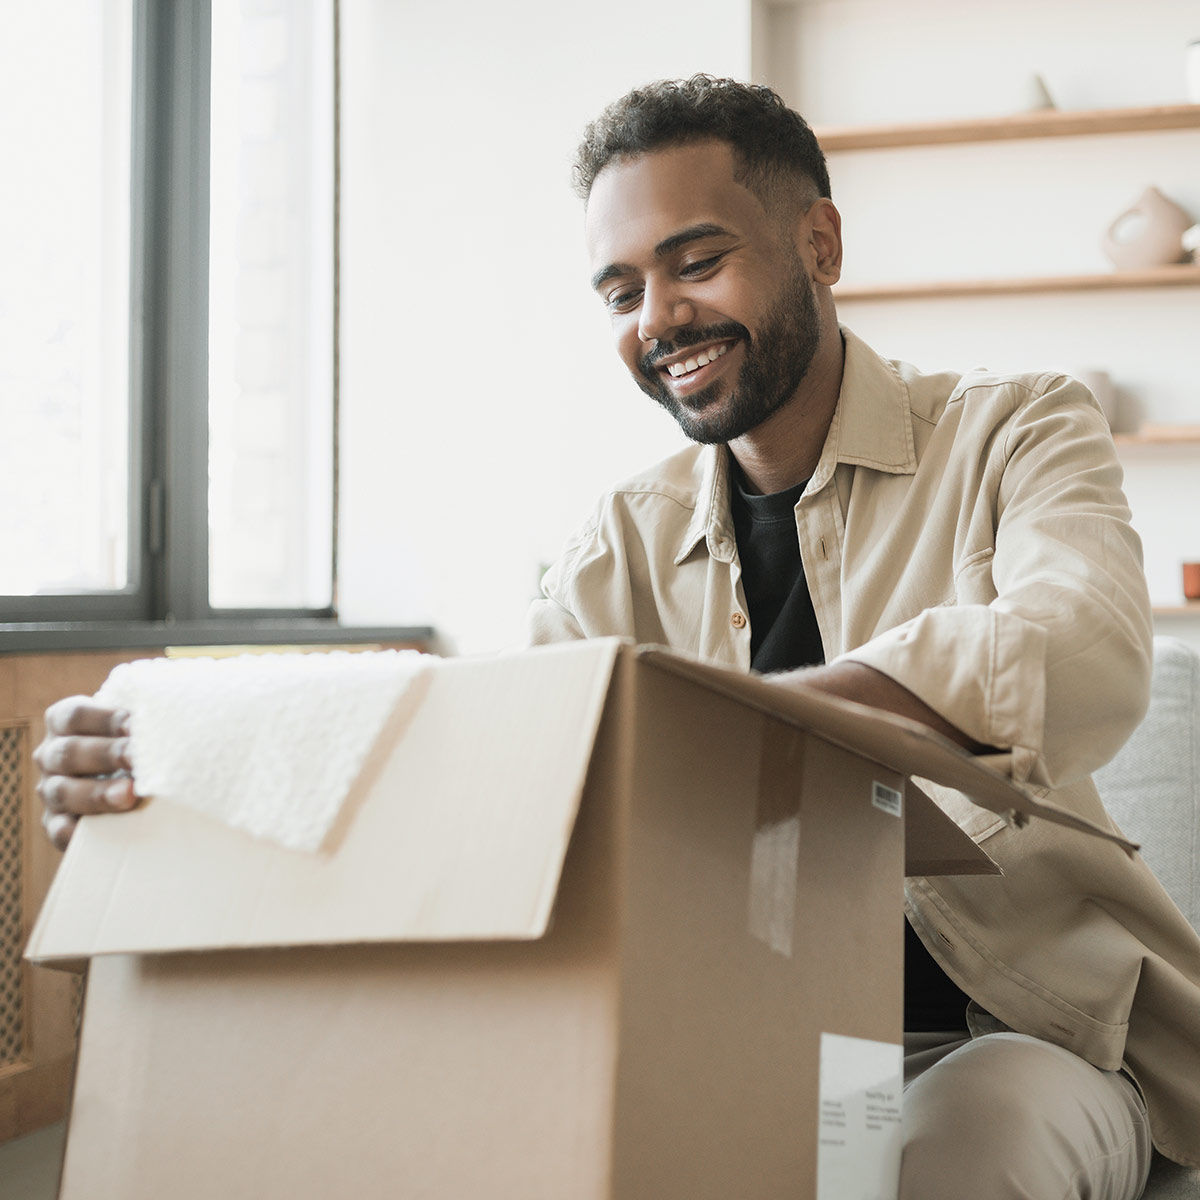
(935, 845)
(456, 830)
(896, 742)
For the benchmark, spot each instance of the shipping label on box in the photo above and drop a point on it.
(858, 1153)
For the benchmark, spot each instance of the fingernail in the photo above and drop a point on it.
(120, 795)
(121, 721)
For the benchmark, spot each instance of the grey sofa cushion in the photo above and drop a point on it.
(1152, 787)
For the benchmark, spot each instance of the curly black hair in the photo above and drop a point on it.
(772, 143)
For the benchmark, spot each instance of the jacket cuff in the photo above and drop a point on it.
(981, 668)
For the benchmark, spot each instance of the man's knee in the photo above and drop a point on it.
(1008, 1116)
(964, 1122)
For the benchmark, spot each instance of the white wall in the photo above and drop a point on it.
(1034, 207)
(484, 409)
(851, 62)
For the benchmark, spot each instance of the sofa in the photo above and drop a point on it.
(1152, 790)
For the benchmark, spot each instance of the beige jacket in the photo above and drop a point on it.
(968, 537)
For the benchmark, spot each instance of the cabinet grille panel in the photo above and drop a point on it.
(12, 802)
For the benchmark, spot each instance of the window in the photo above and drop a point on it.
(167, 309)
(65, 119)
(271, 269)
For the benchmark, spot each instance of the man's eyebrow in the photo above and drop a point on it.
(602, 276)
(693, 233)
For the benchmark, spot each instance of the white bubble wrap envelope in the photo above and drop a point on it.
(268, 743)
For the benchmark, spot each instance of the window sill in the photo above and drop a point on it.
(129, 635)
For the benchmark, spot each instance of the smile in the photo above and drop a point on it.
(678, 370)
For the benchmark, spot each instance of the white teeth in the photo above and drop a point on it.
(694, 364)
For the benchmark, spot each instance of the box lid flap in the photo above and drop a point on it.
(456, 830)
(896, 742)
(935, 845)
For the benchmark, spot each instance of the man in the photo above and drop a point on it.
(956, 550)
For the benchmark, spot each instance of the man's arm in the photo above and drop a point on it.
(1045, 651)
(84, 760)
(865, 685)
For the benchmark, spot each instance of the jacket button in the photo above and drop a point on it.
(738, 621)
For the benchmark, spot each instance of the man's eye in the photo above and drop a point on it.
(623, 301)
(699, 267)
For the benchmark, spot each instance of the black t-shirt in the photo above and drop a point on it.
(784, 635)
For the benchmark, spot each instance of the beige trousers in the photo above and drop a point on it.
(1003, 1116)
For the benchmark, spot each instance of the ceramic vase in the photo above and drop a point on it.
(1147, 234)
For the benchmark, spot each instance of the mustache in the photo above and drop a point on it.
(692, 336)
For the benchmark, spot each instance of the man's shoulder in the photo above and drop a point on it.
(650, 515)
(993, 395)
(677, 480)
(656, 504)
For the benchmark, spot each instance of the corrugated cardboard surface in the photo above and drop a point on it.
(383, 1071)
(720, 1029)
(896, 742)
(934, 844)
(731, 893)
(652, 1044)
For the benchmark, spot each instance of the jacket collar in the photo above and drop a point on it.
(712, 518)
(871, 427)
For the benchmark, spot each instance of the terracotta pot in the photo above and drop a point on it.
(1191, 580)
(1147, 234)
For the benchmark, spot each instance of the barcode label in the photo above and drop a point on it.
(886, 798)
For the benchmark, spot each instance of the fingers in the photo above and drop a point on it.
(63, 795)
(81, 715)
(82, 755)
(59, 827)
(84, 762)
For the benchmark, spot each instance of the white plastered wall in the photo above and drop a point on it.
(483, 407)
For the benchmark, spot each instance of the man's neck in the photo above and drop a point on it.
(784, 450)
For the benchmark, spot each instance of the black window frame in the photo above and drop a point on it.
(168, 350)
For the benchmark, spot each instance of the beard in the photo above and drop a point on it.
(774, 366)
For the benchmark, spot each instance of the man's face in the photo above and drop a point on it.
(711, 306)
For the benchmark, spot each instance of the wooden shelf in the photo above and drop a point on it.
(1160, 435)
(1040, 124)
(1183, 275)
(1189, 608)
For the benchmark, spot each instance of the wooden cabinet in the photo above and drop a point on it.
(39, 1008)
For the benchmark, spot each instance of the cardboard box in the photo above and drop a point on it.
(599, 922)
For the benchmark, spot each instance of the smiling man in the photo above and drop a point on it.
(952, 548)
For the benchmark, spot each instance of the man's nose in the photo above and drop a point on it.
(664, 309)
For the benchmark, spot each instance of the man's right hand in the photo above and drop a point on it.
(84, 761)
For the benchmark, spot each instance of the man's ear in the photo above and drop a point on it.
(823, 223)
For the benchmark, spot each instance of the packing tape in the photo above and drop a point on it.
(775, 855)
